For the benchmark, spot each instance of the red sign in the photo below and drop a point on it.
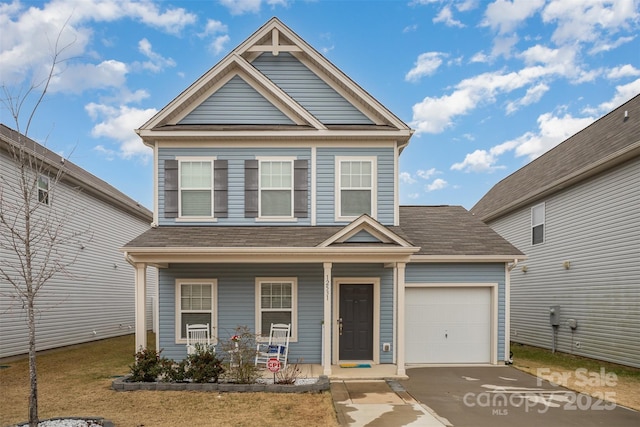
(273, 364)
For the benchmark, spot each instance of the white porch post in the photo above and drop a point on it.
(401, 320)
(326, 345)
(140, 305)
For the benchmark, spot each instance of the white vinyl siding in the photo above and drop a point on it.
(595, 226)
(276, 302)
(276, 189)
(100, 280)
(355, 189)
(537, 224)
(195, 303)
(196, 188)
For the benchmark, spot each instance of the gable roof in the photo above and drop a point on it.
(74, 174)
(606, 143)
(251, 64)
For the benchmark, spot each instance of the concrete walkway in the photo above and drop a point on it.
(378, 403)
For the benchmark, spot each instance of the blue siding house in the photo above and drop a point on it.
(276, 200)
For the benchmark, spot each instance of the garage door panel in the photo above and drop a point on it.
(448, 325)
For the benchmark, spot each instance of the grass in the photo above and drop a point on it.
(76, 381)
(619, 383)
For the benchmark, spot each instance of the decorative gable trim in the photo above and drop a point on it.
(274, 37)
(370, 226)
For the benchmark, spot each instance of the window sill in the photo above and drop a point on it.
(276, 219)
(196, 219)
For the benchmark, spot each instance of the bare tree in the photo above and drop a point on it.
(35, 228)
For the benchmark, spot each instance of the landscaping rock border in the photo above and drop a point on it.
(123, 384)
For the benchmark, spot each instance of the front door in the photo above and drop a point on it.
(355, 327)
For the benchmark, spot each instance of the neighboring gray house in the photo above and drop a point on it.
(96, 300)
(575, 212)
(276, 200)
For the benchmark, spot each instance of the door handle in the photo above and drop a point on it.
(339, 326)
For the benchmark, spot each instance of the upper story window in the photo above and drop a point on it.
(43, 189)
(537, 224)
(276, 188)
(196, 188)
(355, 187)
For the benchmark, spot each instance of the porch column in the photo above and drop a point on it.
(140, 305)
(401, 320)
(326, 336)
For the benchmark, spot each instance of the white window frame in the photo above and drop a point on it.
(47, 200)
(178, 306)
(543, 223)
(263, 336)
(182, 160)
(262, 217)
(338, 185)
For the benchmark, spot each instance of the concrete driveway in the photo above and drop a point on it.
(504, 396)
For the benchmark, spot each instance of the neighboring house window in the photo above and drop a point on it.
(276, 188)
(195, 303)
(43, 189)
(276, 302)
(356, 192)
(196, 188)
(537, 224)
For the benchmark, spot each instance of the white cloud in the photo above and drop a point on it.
(410, 28)
(504, 16)
(437, 184)
(480, 57)
(622, 72)
(622, 95)
(605, 45)
(117, 123)
(533, 95)
(426, 174)
(478, 161)
(156, 61)
(446, 16)
(426, 64)
(407, 178)
(29, 33)
(588, 21)
(434, 115)
(77, 78)
(552, 130)
(240, 7)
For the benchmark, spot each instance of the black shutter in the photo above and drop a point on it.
(170, 188)
(301, 188)
(251, 188)
(221, 188)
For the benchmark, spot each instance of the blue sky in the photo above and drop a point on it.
(488, 86)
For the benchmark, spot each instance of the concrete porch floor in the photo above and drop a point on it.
(375, 372)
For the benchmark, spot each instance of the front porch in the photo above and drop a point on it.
(375, 372)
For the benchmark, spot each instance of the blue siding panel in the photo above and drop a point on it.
(306, 88)
(326, 176)
(236, 103)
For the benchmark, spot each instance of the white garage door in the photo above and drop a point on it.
(448, 325)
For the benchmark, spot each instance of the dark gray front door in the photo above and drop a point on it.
(356, 331)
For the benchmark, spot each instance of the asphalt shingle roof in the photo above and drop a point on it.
(438, 230)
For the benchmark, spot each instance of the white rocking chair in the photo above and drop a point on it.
(278, 346)
(198, 335)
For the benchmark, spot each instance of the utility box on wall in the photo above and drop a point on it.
(554, 315)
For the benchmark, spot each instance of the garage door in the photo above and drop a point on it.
(448, 325)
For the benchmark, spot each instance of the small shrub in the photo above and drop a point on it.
(203, 366)
(240, 356)
(172, 371)
(289, 375)
(147, 366)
